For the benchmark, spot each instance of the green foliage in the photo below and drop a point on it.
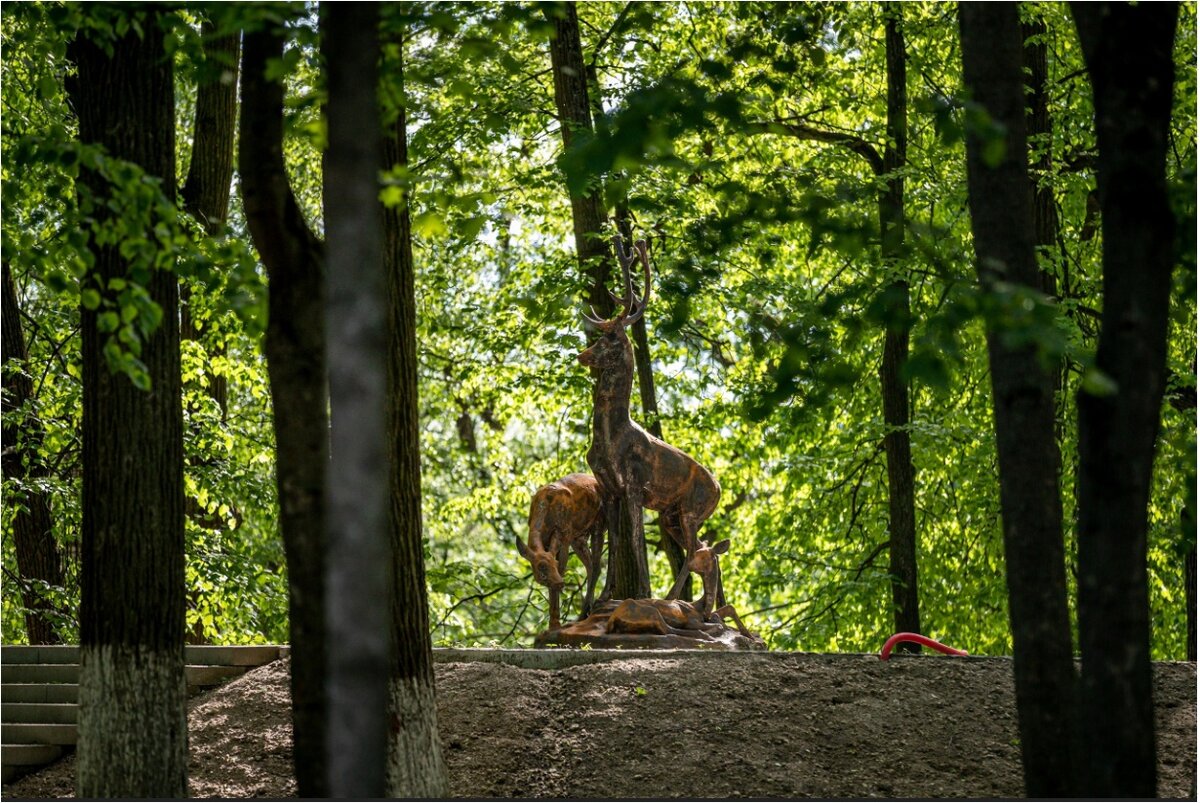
(766, 324)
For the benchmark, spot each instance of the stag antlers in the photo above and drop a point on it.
(633, 307)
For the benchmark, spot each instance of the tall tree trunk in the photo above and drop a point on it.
(295, 349)
(356, 515)
(205, 196)
(1045, 211)
(1038, 127)
(38, 557)
(132, 693)
(628, 572)
(1001, 203)
(902, 522)
(205, 193)
(414, 766)
(1128, 51)
(574, 117)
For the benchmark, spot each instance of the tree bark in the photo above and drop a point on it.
(902, 523)
(205, 193)
(295, 349)
(1128, 52)
(415, 768)
(1001, 204)
(628, 571)
(132, 692)
(38, 557)
(356, 514)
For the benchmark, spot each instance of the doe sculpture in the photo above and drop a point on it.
(564, 516)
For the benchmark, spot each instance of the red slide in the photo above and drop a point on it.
(886, 652)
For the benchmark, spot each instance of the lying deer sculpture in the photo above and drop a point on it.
(630, 463)
(562, 517)
(675, 617)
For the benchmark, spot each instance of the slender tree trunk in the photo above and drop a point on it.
(1045, 211)
(132, 693)
(628, 572)
(38, 557)
(205, 196)
(1128, 51)
(1001, 202)
(295, 349)
(414, 766)
(356, 515)
(902, 522)
(902, 539)
(1038, 128)
(205, 193)
(574, 116)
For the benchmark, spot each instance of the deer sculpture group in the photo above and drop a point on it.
(633, 470)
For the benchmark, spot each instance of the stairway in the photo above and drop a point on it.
(39, 695)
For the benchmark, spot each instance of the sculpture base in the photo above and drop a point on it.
(650, 624)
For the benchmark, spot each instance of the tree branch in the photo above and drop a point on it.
(851, 142)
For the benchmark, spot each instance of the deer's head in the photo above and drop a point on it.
(544, 564)
(704, 563)
(612, 351)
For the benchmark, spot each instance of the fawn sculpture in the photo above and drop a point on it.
(634, 468)
(562, 517)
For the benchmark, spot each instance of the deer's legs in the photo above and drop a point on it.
(556, 591)
(589, 584)
(727, 611)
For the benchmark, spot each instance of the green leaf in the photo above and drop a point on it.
(430, 224)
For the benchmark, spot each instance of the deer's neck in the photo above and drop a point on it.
(610, 406)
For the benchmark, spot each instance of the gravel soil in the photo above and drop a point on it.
(757, 726)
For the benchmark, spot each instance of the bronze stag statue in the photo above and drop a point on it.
(564, 516)
(634, 467)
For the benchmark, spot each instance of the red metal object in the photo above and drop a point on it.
(925, 641)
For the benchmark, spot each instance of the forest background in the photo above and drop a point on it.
(738, 137)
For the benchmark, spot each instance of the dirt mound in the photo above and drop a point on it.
(763, 726)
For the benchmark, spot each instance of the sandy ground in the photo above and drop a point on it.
(794, 726)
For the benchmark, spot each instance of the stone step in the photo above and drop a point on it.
(213, 675)
(222, 655)
(39, 673)
(37, 733)
(25, 755)
(211, 655)
(21, 759)
(39, 693)
(44, 713)
(39, 654)
(69, 673)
